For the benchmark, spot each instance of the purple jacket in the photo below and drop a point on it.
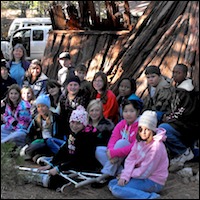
(20, 119)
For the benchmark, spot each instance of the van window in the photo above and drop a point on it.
(34, 24)
(23, 22)
(16, 27)
(23, 37)
(38, 35)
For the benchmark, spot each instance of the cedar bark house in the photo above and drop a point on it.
(167, 33)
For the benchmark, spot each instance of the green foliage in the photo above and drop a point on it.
(9, 159)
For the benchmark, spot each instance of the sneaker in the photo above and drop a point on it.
(188, 155)
(36, 157)
(44, 160)
(65, 188)
(22, 151)
(103, 182)
(102, 177)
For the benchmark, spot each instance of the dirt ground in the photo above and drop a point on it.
(175, 188)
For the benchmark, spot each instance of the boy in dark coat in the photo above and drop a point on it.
(181, 123)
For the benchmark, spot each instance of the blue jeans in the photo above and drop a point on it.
(17, 136)
(173, 141)
(135, 189)
(159, 116)
(54, 144)
(108, 167)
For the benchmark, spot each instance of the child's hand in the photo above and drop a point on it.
(53, 171)
(2, 118)
(122, 182)
(108, 154)
(3, 103)
(114, 160)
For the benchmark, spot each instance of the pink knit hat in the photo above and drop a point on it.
(79, 115)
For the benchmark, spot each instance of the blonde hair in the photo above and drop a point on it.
(93, 104)
(27, 87)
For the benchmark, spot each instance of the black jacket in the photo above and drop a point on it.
(82, 158)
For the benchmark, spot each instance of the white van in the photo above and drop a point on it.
(23, 22)
(33, 38)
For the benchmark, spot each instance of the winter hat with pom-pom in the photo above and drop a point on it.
(79, 115)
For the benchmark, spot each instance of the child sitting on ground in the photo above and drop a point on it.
(44, 136)
(146, 167)
(120, 143)
(78, 153)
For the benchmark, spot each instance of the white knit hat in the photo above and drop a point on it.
(79, 115)
(149, 120)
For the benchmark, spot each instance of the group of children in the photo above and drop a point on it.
(83, 126)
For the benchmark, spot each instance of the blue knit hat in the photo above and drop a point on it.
(43, 99)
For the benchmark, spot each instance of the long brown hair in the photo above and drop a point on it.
(34, 63)
(104, 89)
(18, 89)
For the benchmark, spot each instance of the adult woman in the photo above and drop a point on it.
(18, 64)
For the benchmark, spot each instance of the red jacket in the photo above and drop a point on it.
(110, 107)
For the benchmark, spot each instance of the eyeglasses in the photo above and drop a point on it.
(98, 81)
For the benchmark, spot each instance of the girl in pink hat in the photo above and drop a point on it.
(78, 153)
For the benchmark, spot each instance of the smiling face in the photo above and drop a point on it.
(130, 114)
(14, 96)
(26, 94)
(98, 84)
(35, 70)
(95, 113)
(54, 90)
(42, 109)
(73, 88)
(18, 53)
(76, 126)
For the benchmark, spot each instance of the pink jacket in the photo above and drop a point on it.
(122, 131)
(148, 161)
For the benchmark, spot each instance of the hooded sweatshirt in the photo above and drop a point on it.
(148, 160)
(184, 109)
(122, 131)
